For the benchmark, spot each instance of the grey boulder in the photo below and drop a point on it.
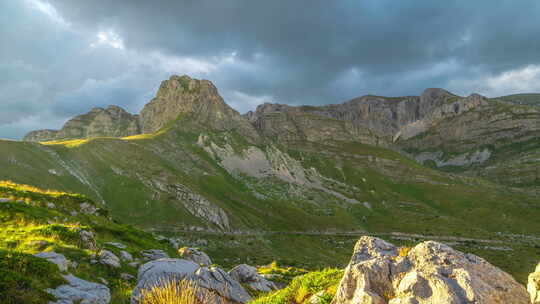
(55, 258)
(81, 292)
(108, 258)
(248, 275)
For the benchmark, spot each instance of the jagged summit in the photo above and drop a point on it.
(198, 100)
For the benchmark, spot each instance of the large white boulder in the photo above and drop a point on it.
(222, 286)
(248, 275)
(195, 255)
(81, 292)
(533, 286)
(430, 272)
(55, 258)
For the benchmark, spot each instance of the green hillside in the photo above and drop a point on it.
(348, 189)
(532, 99)
(33, 220)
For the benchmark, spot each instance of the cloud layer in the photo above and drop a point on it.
(60, 58)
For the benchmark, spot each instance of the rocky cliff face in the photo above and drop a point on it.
(110, 122)
(368, 119)
(197, 100)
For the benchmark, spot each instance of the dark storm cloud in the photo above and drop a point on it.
(310, 52)
(312, 42)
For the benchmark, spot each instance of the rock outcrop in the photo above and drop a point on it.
(80, 291)
(246, 274)
(41, 135)
(368, 119)
(533, 285)
(56, 258)
(99, 122)
(197, 100)
(195, 255)
(430, 272)
(223, 288)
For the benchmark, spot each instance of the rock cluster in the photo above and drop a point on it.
(112, 121)
(430, 272)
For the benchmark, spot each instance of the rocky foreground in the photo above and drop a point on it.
(378, 273)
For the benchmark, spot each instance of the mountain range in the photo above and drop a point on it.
(438, 165)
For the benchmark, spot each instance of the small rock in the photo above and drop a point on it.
(134, 264)
(88, 240)
(50, 205)
(80, 291)
(248, 275)
(74, 213)
(127, 276)
(88, 208)
(55, 258)
(103, 281)
(126, 256)
(316, 298)
(117, 245)
(4, 200)
(195, 255)
(108, 258)
(154, 254)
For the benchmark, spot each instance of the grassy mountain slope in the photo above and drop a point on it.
(33, 220)
(330, 189)
(532, 99)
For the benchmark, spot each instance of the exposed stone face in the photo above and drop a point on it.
(430, 272)
(41, 135)
(110, 122)
(533, 285)
(56, 258)
(368, 119)
(182, 96)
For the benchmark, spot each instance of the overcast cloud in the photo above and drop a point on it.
(60, 58)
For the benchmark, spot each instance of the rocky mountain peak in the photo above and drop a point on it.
(434, 93)
(183, 96)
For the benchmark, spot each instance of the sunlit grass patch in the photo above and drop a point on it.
(321, 283)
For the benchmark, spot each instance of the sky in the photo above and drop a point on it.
(60, 58)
